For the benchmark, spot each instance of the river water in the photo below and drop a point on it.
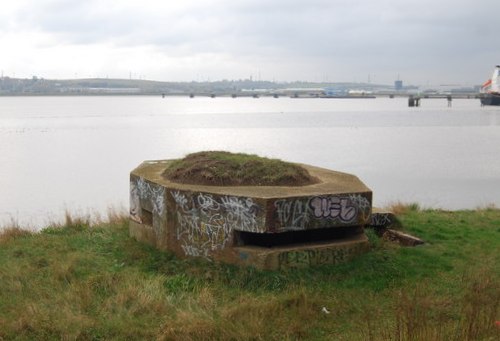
(76, 153)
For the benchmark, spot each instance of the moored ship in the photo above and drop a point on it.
(490, 90)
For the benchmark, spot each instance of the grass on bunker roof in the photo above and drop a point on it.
(79, 281)
(220, 168)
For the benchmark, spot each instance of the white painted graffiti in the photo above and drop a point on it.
(380, 219)
(143, 187)
(241, 213)
(180, 200)
(207, 203)
(334, 207)
(293, 214)
(364, 205)
(205, 222)
(135, 205)
(205, 237)
(362, 202)
(158, 200)
(299, 213)
(154, 193)
(193, 251)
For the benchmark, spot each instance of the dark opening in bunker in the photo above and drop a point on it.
(147, 217)
(294, 237)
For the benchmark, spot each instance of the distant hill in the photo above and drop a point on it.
(105, 86)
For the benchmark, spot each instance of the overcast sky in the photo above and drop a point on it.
(424, 42)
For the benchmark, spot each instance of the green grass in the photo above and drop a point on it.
(86, 282)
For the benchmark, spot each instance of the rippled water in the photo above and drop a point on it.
(76, 153)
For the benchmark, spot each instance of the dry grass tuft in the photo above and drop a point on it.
(399, 208)
(193, 326)
(480, 305)
(487, 207)
(10, 233)
(417, 316)
(72, 221)
(114, 216)
(117, 216)
(421, 314)
(137, 295)
(248, 317)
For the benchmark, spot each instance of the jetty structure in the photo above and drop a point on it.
(268, 227)
(490, 90)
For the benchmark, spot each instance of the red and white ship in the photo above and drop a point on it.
(490, 90)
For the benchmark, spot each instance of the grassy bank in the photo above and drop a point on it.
(82, 282)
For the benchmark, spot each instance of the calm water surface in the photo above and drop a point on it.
(76, 153)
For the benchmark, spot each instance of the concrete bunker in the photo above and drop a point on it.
(269, 227)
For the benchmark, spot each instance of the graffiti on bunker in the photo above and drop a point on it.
(298, 213)
(206, 222)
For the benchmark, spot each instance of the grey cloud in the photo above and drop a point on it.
(381, 35)
(296, 25)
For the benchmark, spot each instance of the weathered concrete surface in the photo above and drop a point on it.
(402, 238)
(323, 253)
(204, 221)
(331, 182)
(382, 219)
(385, 222)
